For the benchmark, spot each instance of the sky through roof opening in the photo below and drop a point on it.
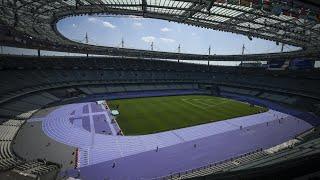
(140, 33)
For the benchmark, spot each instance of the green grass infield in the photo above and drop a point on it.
(155, 114)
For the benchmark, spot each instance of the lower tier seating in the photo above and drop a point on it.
(8, 131)
(254, 160)
(35, 168)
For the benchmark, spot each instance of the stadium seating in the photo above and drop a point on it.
(17, 104)
(309, 147)
(221, 166)
(239, 90)
(9, 160)
(26, 73)
(8, 131)
(35, 167)
(279, 98)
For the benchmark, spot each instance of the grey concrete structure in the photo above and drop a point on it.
(31, 143)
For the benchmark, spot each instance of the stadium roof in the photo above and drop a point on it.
(293, 23)
(311, 2)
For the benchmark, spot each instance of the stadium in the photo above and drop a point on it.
(91, 111)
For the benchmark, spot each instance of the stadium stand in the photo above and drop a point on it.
(36, 169)
(10, 162)
(239, 91)
(8, 131)
(43, 81)
(278, 98)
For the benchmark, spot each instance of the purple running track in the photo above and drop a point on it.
(185, 156)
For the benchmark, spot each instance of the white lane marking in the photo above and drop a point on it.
(91, 125)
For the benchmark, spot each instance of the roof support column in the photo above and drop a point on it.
(144, 7)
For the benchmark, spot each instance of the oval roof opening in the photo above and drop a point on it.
(161, 35)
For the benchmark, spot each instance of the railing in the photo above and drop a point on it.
(190, 171)
(77, 162)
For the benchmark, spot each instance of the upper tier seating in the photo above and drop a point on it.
(28, 73)
(29, 83)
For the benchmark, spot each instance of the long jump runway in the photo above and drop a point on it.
(102, 154)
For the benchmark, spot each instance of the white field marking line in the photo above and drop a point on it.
(205, 100)
(201, 102)
(184, 100)
(223, 99)
(210, 105)
(201, 107)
